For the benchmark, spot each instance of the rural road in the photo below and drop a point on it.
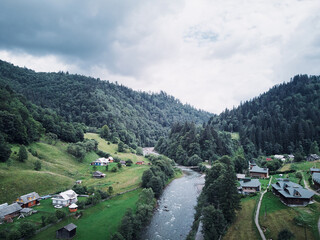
(257, 213)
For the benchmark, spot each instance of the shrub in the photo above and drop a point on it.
(27, 229)
(129, 163)
(60, 214)
(22, 155)
(285, 234)
(37, 165)
(114, 169)
(52, 218)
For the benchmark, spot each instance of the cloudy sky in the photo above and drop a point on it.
(209, 53)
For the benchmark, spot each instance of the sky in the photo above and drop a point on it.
(212, 54)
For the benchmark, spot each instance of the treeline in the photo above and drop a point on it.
(190, 145)
(218, 200)
(135, 117)
(22, 122)
(286, 119)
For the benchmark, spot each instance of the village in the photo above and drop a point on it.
(284, 185)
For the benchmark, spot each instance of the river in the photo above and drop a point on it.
(174, 215)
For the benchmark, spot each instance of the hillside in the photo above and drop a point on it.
(286, 119)
(137, 118)
(60, 170)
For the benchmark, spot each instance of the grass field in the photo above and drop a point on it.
(97, 222)
(60, 170)
(275, 216)
(244, 227)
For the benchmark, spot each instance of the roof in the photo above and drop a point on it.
(98, 173)
(102, 160)
(28, 197)
(67, 195)
(290, 156)
(73, 205)
(259, 169)
(26, 210)
(3, 205)
(278, 156)
(250, 183)
(314, 156)
(290, 189)
(316, 177)
(239, 175)
(69, 227)
(14, 207)
(315, 169)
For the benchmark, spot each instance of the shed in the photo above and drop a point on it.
(67, 232)
(73, 207)
(98, 174)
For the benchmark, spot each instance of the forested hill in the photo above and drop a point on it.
(286, 119)
(135, 117)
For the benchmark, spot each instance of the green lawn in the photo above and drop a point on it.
(244, 227)
(97, 222)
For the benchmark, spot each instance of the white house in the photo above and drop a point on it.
(101, 162)
(65, 198)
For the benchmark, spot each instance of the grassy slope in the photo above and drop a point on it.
(60, 170)
(280, 216)
(244, 227)
(98, 222)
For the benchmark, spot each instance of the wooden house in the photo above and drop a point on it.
(316, 180)
(292, 194)
(67, 232)
(314, 170)
(28, 200)
(249, 185)
(313, 157)
(98, 174)
(140, 163)
(259, 172)
(7, 212)
(65, 198)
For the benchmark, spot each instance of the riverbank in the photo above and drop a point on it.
(173, 217)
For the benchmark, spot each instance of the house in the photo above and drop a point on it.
(65, 198)
(123, 163)
(100, 162)
(7, 212)
(316, 180)
(259, 172)
(110, 159)
(240, 176)
(98, 174)
(26, 212)
(28, 200)
(313, 157)
(67, 232)
(140, 162)
(291, 157)
(249, 185)
(78, 182)
(73, 207)
(291, 193)
(252, 164)
(314, 170)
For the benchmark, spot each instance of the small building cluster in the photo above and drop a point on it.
(313, 157)
(102, 161)
(292, 194)
(20, 208)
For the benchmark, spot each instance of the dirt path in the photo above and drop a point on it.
(256, 220)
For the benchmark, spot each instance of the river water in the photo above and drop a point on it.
(174, 215)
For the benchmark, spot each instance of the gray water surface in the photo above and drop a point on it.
(174, 215)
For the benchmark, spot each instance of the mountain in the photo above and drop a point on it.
(286, 119)
(132, 116)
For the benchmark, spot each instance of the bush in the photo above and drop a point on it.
(316, 198)
(14, 235)
(81, 204)
(27, 229)
(22, 155)
(119, 165)
(37, 165)
(60, 214)
(129, 163)
(102, 154)
(285, 234)
(52, 218)
(114, 169)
